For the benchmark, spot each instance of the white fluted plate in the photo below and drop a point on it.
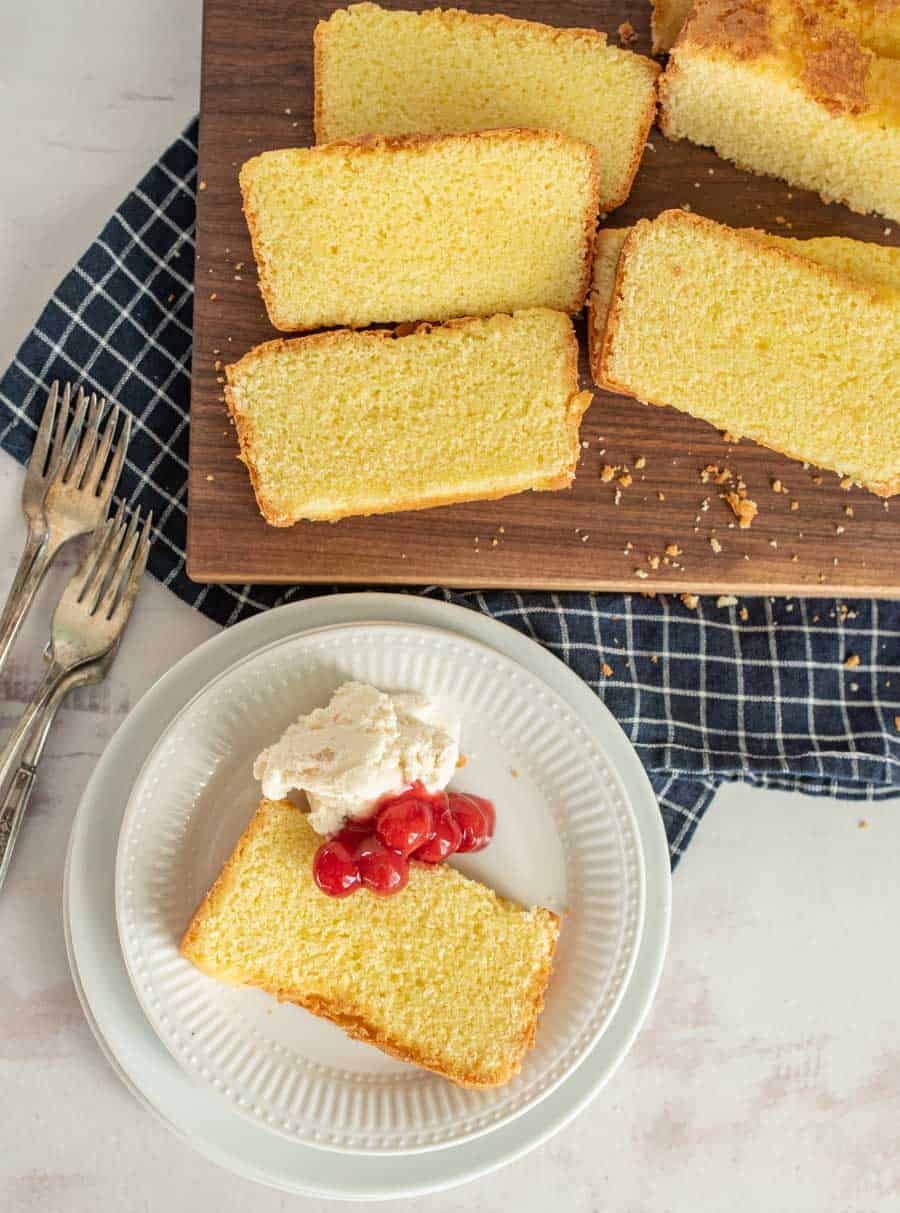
(565, 838)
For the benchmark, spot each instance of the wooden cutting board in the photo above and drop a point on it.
(257, 94)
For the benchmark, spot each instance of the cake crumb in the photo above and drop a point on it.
(672, 549)
(660, 496)
(202, 185)
(214, 296)
(715, 545)
(606, 670)
(654, 660)
(795, 505)
(851, 661)
(461, 762)
(743, 509)
(846, 483)
(625, 479)
(514, 772)
(641, 573)
(626, 33)
(691, 601)
(640, 463)
(726, 600)
(862, 824)
(210, 477)
(653, 561)
(848, 510)
(608, 473)
(743, 614)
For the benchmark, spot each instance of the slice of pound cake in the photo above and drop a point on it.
(381, 72)
(344, 423)
(444, 974)
(783, 87)
(795, 344)
(422, 227)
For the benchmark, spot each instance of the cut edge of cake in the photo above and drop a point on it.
(389, 143)
(355, 1025)
(626, 239)
(501, 21)
(576, 405)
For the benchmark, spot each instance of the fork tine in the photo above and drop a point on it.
(62, 456)
(99, 555)
(138, 565)
(102, 449)
(111, 479)
(42, 441)
(59, 433)
(88, 442)
(113, 584)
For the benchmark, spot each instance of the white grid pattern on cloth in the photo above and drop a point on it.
(765, 699)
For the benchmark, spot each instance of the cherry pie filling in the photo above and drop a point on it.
(415, 824)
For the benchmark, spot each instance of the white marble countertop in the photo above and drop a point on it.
(769, 1075)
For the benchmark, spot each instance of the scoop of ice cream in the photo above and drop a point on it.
(364, 745)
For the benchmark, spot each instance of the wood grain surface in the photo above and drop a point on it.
(257, 94)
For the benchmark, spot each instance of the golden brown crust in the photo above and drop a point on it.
(577, 405)
(354, 1024)
(836, 70)
(748, 237)
(743, 27)
(389, 143)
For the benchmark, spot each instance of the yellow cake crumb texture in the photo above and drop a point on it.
(394, 72)
(422, 227)
(795, 344)
(800, 89)
(444, 974)
(344, 423)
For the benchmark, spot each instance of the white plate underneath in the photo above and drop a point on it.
(566, 838)
(197, 1114)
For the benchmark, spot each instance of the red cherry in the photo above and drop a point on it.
(446, 840)
(473, 821)
(488, 806)
(383, 871)
(405, 824)
(335, 870)
(352, 832)
(367, 844)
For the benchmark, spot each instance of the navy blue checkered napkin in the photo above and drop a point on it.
(704, 694)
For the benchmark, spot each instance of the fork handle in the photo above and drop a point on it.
(33, 565)
(26, 745)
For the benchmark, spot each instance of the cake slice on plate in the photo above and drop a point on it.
(444, 974)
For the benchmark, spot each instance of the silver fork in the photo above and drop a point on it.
(66, 492)
(87, 624)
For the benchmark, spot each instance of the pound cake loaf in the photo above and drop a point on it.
(444, 974)
(425, 227)
(782, 87)
(391, 73)
(794, 344)
(343, 423)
